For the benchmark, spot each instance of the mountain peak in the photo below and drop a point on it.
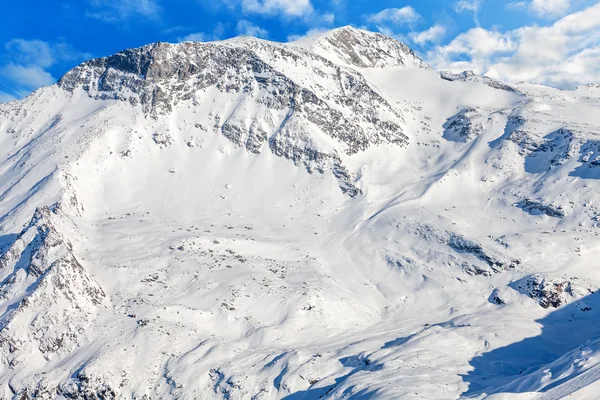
(362, 49)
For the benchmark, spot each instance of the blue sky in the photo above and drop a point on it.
(555, 42)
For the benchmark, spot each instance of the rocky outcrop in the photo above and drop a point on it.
(470, 76)
(560, 146)
(495, 262)
(590, 154)
(536, 208)
(79, 387)
(464, 126)
(552, 293)
(47, 298)
(474, 258)
(542, 153)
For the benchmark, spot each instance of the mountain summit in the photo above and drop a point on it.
(327, 218)
(361, 49)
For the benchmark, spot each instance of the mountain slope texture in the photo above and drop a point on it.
(323, 219)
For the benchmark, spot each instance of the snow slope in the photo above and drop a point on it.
(327, 218)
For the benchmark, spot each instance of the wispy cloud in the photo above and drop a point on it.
(467, 5)
(41, 53)
(114, 11)
(217, 33)
(247, 28)
(310, 33)
(26, 77)
(516, 5)
(24, 64)
(471, 6)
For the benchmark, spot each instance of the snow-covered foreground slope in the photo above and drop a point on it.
(321, 219)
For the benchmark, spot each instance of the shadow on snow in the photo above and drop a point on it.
(563, 330)
(358, 364)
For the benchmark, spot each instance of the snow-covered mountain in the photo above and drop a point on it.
(328, 218)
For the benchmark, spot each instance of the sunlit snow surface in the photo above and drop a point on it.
(228, 274)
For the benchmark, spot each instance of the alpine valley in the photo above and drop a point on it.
(323, 219)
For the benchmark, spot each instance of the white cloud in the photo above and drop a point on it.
(433, 35)
(113, 11)
(247, 28)
(564, 54)
(550, 8)
(395, 16)
(294, 8)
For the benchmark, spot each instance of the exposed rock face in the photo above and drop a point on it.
(471, 256)
(543, 152)
(47, 298)
(536, 207)
(559, 145)
(83, 387)
(283, 96)
(590, 87)
(464, 126)
(552, 293)
(495, 262)
(496, 298)
(590, 154)
(80, 387)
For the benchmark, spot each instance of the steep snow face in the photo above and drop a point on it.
(321, 219)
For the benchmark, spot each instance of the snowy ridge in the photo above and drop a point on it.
(470, 76)
(328, 218)
(48, 299)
